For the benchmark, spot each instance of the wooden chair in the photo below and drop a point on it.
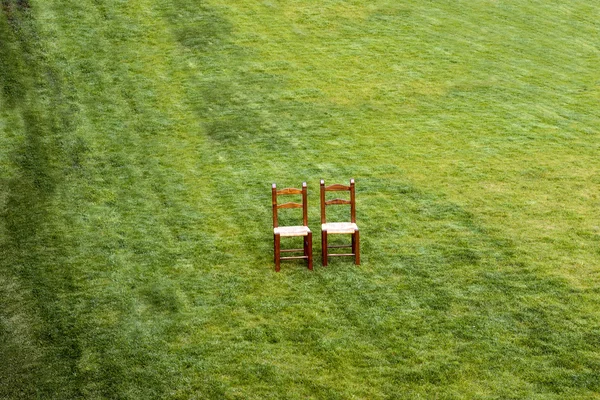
(290, 231)
(339, 227)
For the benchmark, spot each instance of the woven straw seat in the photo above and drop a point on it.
(339, 227)
(291, 231)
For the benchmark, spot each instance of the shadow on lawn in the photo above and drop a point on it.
(33, 253)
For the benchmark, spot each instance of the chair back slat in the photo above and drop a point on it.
(290, 191)
(337, 201)
(290, 205)
(337, 188)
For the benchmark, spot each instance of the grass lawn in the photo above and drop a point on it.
(138, 144)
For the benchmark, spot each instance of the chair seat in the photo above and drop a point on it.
(291, 230)
(339, 227)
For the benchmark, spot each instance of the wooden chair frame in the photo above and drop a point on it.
(291, 231)
(340, 227)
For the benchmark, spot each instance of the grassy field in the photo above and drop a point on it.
(138, 144)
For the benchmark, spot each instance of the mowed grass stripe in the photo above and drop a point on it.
(140, 187)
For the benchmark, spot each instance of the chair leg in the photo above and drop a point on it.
(305, 245)
(277, 251)
(356, 247)
(324, 247)
(308, 249)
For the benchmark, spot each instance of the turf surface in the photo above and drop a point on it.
(138, 143)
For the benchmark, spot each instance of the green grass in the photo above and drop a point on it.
(138, 143)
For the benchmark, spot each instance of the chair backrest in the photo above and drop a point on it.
(289, 191)
(338, 188)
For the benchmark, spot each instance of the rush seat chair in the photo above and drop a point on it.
(328, 228)
(291, 231)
